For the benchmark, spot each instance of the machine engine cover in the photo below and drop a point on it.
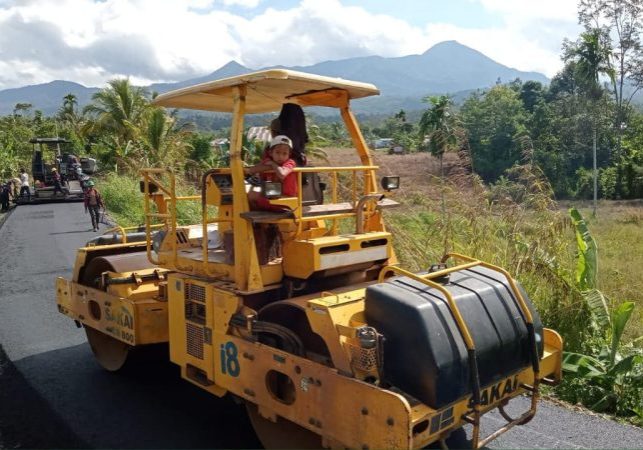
(424, 352)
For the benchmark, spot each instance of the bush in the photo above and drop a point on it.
(124, 201)
(584, 184)
(607, 182)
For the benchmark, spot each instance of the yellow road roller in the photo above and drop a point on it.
(302, 311)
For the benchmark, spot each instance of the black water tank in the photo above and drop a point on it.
(424, 352)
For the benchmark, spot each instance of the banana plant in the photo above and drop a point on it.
(609, 373)
(587, 271)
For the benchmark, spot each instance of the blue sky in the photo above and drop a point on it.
(464, 13)
(92, 41)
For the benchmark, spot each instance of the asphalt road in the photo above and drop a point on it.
(54, 395)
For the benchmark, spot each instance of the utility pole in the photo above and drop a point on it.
(595, 171)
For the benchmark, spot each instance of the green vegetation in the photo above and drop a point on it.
(609, 375)
(503, 156)
(602, 333)
(124, 201)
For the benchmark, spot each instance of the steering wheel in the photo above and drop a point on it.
(254, 180)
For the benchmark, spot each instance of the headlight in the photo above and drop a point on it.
(390, 183)
(271, 189)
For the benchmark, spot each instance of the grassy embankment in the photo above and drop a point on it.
(124, 201)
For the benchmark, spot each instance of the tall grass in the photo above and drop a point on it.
(124, 201)
(532, 244)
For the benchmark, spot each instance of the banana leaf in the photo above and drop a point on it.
(587, 265)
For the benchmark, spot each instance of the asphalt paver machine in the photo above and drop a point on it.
(50, 153)
(304, 314)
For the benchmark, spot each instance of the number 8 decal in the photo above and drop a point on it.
(229, 361)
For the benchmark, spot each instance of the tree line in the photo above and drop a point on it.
(583, 119)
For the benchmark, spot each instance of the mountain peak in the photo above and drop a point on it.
(230, 69)
(450, 46)
(232, 64)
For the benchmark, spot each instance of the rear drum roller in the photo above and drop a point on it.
(110, 353)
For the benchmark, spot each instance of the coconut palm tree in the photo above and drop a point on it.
(120, 109)
(69, 116)
(165, 144)
(70, 102)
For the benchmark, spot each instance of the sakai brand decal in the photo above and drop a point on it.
(123, 318)
(229, 361)
(497, 391)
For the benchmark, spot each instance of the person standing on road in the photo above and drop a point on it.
(5, 193)
(24, 184)
(93, 203)
(57, 182)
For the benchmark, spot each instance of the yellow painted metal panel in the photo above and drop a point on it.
(304, 257)
(133, 322)
(340, 408)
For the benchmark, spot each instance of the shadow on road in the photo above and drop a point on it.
(148, 406)
(72, 232)
(26, 419)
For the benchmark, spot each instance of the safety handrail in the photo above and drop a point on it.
(169, 217)
(526, 313)
(123, 231)
(146, 207)
(535, 361)
(299, 171)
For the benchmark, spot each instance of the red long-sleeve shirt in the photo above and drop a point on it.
(92, 192)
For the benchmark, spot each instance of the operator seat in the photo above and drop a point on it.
(292, 123)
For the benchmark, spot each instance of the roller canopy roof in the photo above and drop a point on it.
(266, 91)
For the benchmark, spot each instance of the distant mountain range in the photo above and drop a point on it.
(446, 68)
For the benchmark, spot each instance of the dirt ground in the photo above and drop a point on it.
(419, 172)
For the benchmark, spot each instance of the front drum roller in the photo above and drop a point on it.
(283, 433)
(111, 353)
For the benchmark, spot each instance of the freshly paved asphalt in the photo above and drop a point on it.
(54, 395)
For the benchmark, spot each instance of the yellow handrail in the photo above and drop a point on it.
(298, 212)
(169, 217)
(521, 301)
(334, 169)
(425, 279)
(123, 231)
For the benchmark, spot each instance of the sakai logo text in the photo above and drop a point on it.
(497, 391)
(121, 317)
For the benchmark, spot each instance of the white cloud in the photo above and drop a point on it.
(90, 41)
(243, 3)
(528, 10)
(320, 30)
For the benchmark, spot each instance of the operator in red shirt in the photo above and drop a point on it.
(276, 166)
